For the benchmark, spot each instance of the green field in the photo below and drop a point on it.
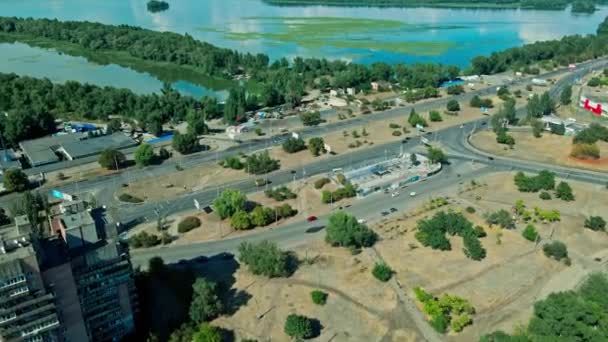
(345, 33)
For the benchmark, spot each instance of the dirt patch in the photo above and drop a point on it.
(550, 148)
(358, 308)
(515, 273)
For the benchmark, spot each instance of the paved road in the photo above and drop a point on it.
(104, 186)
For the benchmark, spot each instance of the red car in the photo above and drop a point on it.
(311, 218)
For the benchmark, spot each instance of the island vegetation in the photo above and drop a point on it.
(583, 6)
(524, 4)
(157, 6)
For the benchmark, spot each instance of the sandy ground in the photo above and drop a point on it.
(515, 273)
(359, 308)
(549, 148)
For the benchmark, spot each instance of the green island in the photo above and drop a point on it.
(583, 6)
(317, 32)
(155, 6)
(495, 4)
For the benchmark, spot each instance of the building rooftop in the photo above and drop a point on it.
(9, 160)
(42, 151)
(77, 220)
(91, 146)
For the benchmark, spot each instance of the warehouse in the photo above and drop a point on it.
(52, 149)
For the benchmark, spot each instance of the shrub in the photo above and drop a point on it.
(144, 240)
(298, 327)
(344, 230)
(478, 102)
(280, 194)
(264, 258)
(563, 191)
(470, 210)
(595, 223)
(319, 183)
(544, 195)
(316, 146)
(382, 272)
(415, 119)
(261, 163)
(434, 116)
(594, 82)
(480, 232)
(396, 133)
(293, 145)
(241, 220)
(545, 180)
(453, 106)
(188, 224)
(503, 138)
(233, 162)
(472, 247)
(311, 118)
(585, 151)
(461, 321)
(502, 218)
(124, 197)
(556, 250)
(318, 297)
(530, 233)
(455, 89)
(440, 323)
(394, 126)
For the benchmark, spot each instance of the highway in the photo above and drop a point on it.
(105, 186)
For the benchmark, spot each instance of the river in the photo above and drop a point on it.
(358, 34)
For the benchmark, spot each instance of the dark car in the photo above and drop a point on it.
(491, 158)
(311, 218)
(393, 210)
(385, 213)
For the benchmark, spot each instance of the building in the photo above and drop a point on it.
(570, 125)
(77, 229)
(391, 174)
(27, 307)
(9, 160)
(52, 149)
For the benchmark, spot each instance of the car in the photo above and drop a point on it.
(491, 158)
(311, 218)
(385, 213)
(484, 123)
(261, 182)
(413, 193)
(394, 194)
(393, 210)
(361, 221)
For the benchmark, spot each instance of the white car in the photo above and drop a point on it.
(361, 221)
(394, 194)
(413, 193)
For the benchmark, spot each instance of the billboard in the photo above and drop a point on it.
(61, 195)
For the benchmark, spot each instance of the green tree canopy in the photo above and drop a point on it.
(144, 155)
(298, 327)
(111, 159)
(185, 143)
(344, 230)
(264, 258)
(229, 202)
(206, 303)
(15, 180)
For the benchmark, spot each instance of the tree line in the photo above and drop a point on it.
(525, 4)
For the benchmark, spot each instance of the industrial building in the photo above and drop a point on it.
(391, 174)
(72, 146)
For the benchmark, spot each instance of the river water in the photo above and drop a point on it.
(360, 34)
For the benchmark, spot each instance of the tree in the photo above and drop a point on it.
(534, 107)
(318, 297)
(455, 89)
(595, 223)
(453, 106)
(261, 163)
(114, 126)
(434, 116)
(264, 258)
(293, 145)
(144, 155)
(207, 333)
(241, 220)
(4, 219)
(185, 143)
(502, 218)
(154, 125)
(196, 123)
(537, 128)
(436, 155)
(415, 119)
(472, 246)
(565, 97)
(229, 202)
(261, 216)
(235, 107)
(316, 146)
(311, 118)
(530, 233)
(111, 159)
(15, 180)
(547, 105)
(382, 272)
(414, 159)
(556, 250)
(206, 303)
(564, 192)
(345, 231)
(298, 327)
(503, 138)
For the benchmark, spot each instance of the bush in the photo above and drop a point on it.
(393, 126)
(502, 218)
(185, 143)
(311, 118)
(188, 224)
(453, 106)
(318, 297)
(293, 145)
(563, 191)
(545, 180)
(594, 82)
(470, 210)
(316, 146)
(503, 138)
(280, 194)
(480, 232)
(434, 116)
(478, 102)
(396, 133)
(144, 240)
(264, 258)
(241, 220)
(455, 89)
(585, 151)
(111, 159)
(15, 180)
(415, 119)
(298, 327)
(440, 323)
(461, 321)
(472, 247)
(530, 233)
(261, 216)
(382, 272)
(344, 230)
(545, 195)
(261, 163)
(595, 223)
(229, 202)
(319, 183)
(556, 250)
(124, 197)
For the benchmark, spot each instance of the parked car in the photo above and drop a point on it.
(311, 218)
(261, 182)
(395, 194)
(361, 221)
(412, 194)
(393, 210)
